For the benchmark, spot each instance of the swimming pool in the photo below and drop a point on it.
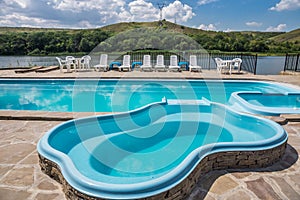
(120, 95)
(266, 103)
(148, 151)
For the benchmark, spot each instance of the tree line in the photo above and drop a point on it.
(148, 39)
(51, 42)
(245, 42)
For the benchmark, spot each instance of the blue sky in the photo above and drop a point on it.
(218, 15)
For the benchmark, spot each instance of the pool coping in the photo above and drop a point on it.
(65, 116)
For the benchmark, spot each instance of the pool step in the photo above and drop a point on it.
(203, 101)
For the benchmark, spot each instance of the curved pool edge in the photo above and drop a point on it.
(221, 156)
(216, 161)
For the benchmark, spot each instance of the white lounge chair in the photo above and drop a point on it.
(236, 65)
(62, 64)
(222, 65)
(84, 62)
(102, 64)
(160, 63)
(193, 64)
(173, 63)
(146, 63)
(126, 63)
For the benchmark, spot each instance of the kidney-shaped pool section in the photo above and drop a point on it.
(149, 151)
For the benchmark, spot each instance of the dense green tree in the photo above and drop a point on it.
(44, 41)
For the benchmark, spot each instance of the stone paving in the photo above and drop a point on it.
(20, 174)
(21, 177)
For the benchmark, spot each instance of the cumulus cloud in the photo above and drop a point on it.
(203, 2)
(118, 10)
(15, 19)
(179, 11)
(209, 27)
(286, 5)
(279, 28)
(83, 5)
(112, 10)
(141, 10)
(86, 13)
(253, 24)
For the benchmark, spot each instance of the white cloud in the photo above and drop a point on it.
(254, 24)
(85, 24)
(209, 27)
(179, 11)
(15, 19)
(203, 2)
(86, 13)
(228, 30)
(117, 10)
(142, 10)
(21, 3)
(278, 28)
(83, 5)
(108, 11)
(286, 5)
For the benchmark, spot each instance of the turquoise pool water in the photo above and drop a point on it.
(266, 103)
(152, 149)
(275, 100)
(118, 95)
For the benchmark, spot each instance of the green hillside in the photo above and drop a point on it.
(292, 36)
(116, 28)
(120, 27)
(46, 41)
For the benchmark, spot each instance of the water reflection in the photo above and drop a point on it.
(117, 96)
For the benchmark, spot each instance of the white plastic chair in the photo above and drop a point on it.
(85, 62)
(173, 63)
(146, 63)
(126, 63)
(62, 64)
(103, 63)
(236, 64)
(193, 64)
(70, 62)
(160, 63)
(221, 65)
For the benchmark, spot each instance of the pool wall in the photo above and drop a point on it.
(216, 161)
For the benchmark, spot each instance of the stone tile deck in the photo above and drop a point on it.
(21, 177)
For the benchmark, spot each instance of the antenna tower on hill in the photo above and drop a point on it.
(160, 7)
